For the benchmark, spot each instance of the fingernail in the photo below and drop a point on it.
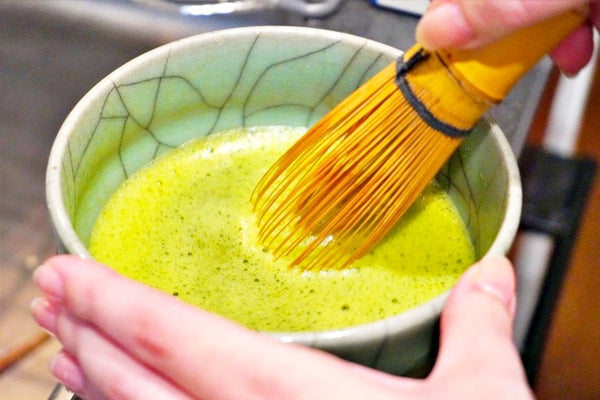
(443, 26)
(494, 276)
(65, 369)
(44, 313)
(48, 281)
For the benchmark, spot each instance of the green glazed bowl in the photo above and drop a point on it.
(265, 76)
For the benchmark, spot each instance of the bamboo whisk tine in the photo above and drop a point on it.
(346, 182)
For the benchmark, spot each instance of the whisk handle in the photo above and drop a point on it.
(494, 69)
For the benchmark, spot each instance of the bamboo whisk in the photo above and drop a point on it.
(343, 185)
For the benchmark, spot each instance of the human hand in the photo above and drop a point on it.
(472, 23)
(124, 340)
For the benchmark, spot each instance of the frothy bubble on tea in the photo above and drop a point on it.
(184, 224)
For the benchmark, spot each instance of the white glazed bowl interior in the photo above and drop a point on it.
(264, 76)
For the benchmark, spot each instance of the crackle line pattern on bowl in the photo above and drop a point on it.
(481, 202)
(136, 111)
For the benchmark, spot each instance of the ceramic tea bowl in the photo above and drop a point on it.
(265, 76)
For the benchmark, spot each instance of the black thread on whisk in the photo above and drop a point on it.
(402, 68)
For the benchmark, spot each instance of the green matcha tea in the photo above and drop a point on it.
(184, 224)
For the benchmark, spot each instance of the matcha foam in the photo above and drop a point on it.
(184, 224)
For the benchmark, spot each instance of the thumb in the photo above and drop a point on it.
(476, 323)
(455, 23)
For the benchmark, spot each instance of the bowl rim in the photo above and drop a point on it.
(422, 314)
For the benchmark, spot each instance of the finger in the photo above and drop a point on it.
(65, 368)
(595, 13)
(93, 366)
(471, 24)
(174, 339)
(476, 323)
(573, 53)
(99, 296)
(109, 370)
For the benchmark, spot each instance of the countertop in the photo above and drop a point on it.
(51, 53)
